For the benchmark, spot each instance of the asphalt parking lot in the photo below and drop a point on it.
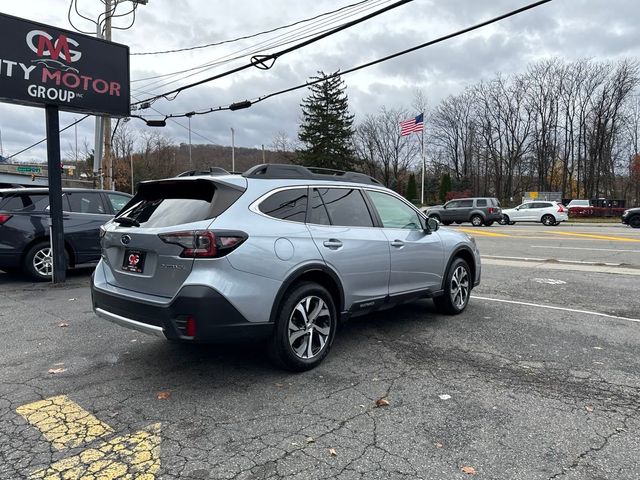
(538, 379)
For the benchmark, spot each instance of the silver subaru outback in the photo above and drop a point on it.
(280, 253)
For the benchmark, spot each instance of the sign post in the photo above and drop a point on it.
(58, 255)
(44, 66)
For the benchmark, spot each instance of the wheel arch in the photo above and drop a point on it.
(467, 255)
(318, 273)
(45, 238)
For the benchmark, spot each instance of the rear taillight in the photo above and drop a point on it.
(560, 209)
(4, 217)
(490, 209)
(204, 244)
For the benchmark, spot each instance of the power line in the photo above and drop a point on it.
(249, 103)
(45, 139)
(297, 34)
(265, 62)
(246, 37)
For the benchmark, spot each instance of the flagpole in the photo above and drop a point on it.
(423, 162)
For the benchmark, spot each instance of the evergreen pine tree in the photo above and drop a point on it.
(445, 186)
(326, 130)
(412, 191)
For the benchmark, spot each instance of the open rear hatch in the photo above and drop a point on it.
(150, 246)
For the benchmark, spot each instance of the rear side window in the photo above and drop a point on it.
(86, 202)
(345, 207)
(117, 201)
(37, 202)
(318, 214)
(175, 202)
(286, 205)
(466, 203)
(481, 202)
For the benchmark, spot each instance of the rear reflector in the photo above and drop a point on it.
(4, 217)
(190, 327)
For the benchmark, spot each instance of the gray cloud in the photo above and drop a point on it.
(569, 29)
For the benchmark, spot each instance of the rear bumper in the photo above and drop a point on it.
(215, 318)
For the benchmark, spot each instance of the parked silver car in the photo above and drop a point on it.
(280, 253)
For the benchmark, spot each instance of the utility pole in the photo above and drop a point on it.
(233, 150)
(107, 167)
(263, 161)
(189, 115)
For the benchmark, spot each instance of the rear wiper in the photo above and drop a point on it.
(127, 221)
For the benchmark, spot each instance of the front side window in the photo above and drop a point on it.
(453, 204)
(524, 206)
(286, 205)
(345, 207)
(394, 213)
(117, 201)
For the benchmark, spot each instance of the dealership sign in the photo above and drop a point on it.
(42, 65)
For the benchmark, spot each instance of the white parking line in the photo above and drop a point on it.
(551, 307)
(585, 248)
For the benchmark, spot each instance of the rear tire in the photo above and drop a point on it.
(549, 220)
(634, 222)
(488, 223)
(457, 289)
(476, 220)
(305, 328)
(38, 264)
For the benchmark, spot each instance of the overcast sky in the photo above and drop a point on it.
(598, 29)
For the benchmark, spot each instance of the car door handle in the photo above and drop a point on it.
(332, 244)
(397, 243)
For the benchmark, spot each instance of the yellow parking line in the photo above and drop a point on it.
(598, 237)
(63, 422)
(482, 233)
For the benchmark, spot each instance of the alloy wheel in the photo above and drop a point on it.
(459, 289)
(309, 327)
(42, 262)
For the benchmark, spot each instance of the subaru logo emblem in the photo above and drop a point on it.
(125, 239)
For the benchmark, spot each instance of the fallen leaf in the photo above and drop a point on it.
(382, 402)
(310, 440)
(588, 408)
(332, 452)
(53, 371)
(63, 324)
(163, 395)
(439, 445)
(72, 299)
(469, 470)
(444, 396)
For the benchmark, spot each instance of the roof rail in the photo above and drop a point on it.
(209, 171)
(298, 172)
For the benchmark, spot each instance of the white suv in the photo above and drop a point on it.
(547, 213)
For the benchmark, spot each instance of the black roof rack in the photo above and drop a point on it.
(209, 171)
(298, 172)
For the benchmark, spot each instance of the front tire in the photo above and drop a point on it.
(634, 222)
(504, 220)
(476, 220)
(548, 220)
(457, 289)
(488, 223)
(305, 328)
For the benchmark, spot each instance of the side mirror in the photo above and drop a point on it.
(433, 224)
(517, 208)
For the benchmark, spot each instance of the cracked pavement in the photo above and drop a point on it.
(534, 393)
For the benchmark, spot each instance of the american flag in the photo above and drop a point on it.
(414, 125)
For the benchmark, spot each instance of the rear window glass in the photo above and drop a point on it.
(481, 203)
(286, 205)
(168, 203)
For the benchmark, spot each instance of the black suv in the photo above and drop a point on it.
(24, 227)
(478, 211)
(632, 217)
